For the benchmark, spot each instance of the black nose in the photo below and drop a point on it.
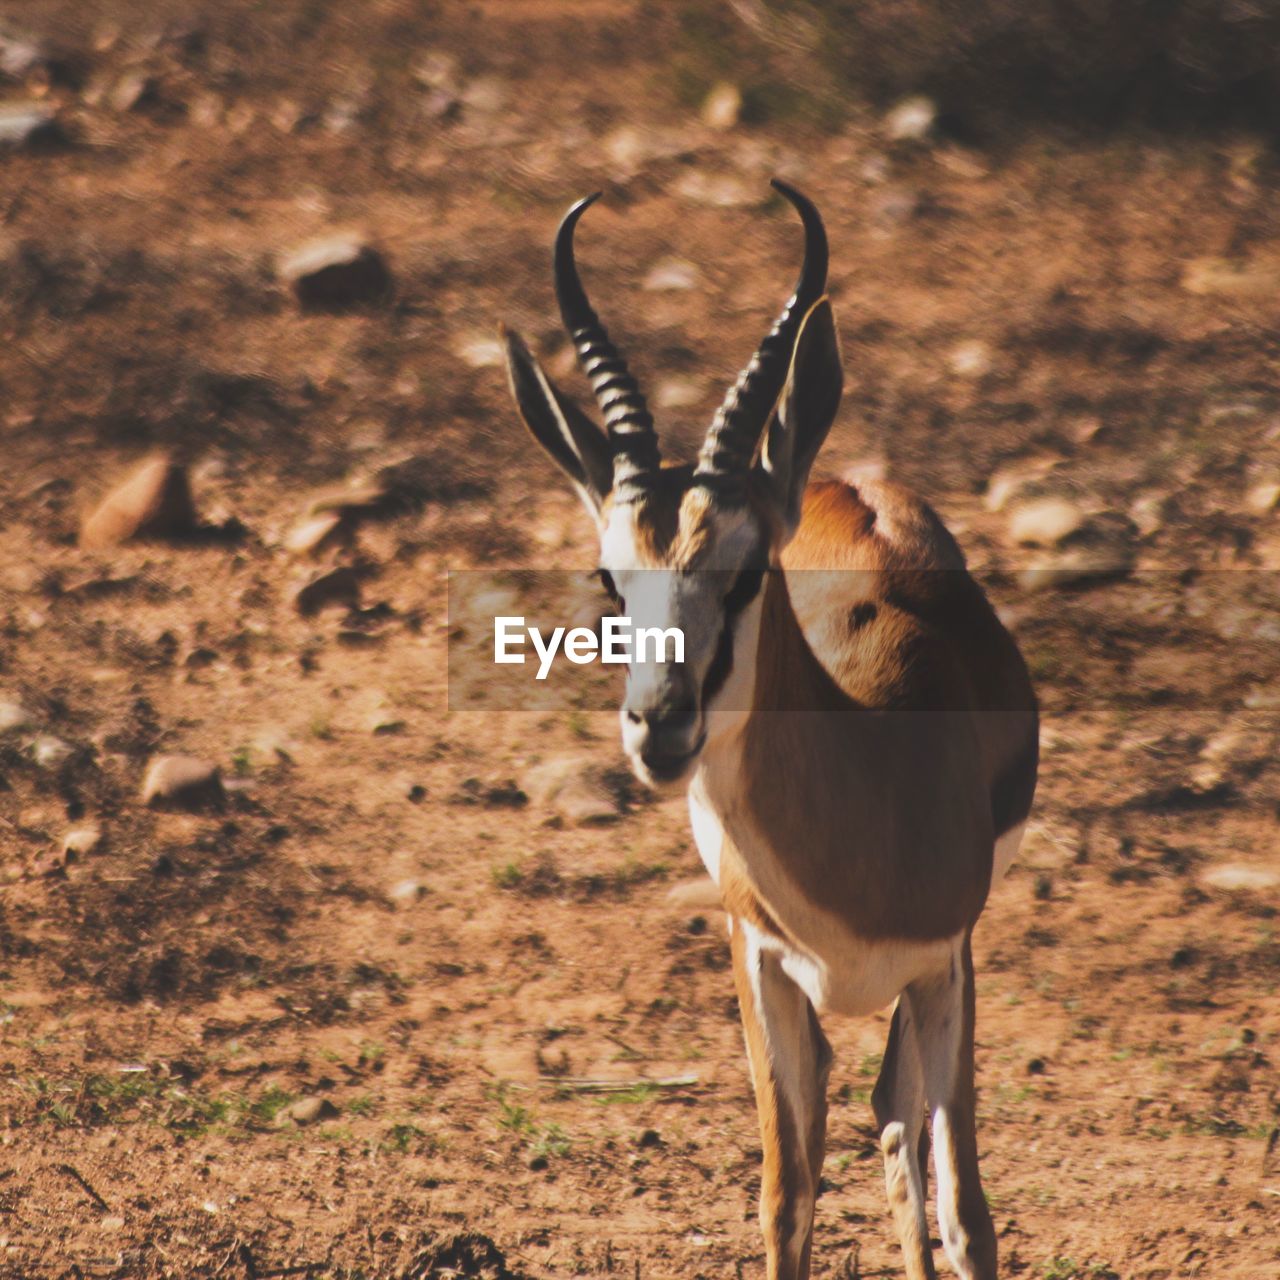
(672, 715)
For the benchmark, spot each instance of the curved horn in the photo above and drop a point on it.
(731, 441)
(626, 416)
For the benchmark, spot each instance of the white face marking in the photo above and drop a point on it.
(668, 713)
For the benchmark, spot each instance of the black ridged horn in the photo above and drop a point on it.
(626, 416)
(735, 430)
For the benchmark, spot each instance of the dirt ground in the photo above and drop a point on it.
(515, 1055)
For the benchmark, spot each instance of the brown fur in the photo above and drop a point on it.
(890, 675)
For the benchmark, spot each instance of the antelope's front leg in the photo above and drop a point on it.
(790, 1063)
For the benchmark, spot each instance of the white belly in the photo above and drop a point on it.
(834, 967)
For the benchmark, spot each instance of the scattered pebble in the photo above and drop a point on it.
(20, 55)
(309, 1110)
(719, 190)
(722, 107)
(1148, 513)
(1263, 497)
(911, 120)
(154, 502)
(972, 359)
(1234, 876)
(575, 791)
(49, 751)
(1230, 279)
(14, 716)
(81, 841)
(24, 124)
(678, 393)
(672, 275)
(185, 782)
(339, 587)
(1045, 522)
(336, 272)
(480, 351)
(315, 534)
(1016, 478)
(405, 893)
(693, 895)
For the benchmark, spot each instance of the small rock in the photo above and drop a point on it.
(315, 534)
(672, 275)
(27, 124)
(1234, 876)
(649, 1138)
(911, 120)
(702, 894)
(49, 751)
(722, 107)
(970, 359)
(19, 55)
(154, 502)
(339, 587)
(1046, 522)
(336, 272)
(1230, 279)
(480, 351)
(309, 1110)
(575, 791)
(1075, 566)
(356, 499)
(112, 1223)
(718, 190)
(678, 393)
(406, 892)
(963, 163)
(1263, 497)
(14, 716)
(184, 781)
(1148, 513)
(1015, 478)
(132, 91)
(80, 841)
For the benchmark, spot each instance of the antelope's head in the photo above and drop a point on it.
(687, 546)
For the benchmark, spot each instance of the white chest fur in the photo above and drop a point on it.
(834, 967)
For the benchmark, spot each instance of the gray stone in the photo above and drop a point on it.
(28, 124)
(308, 1110)
(911, 120)
(1235, 876)
(154, 502)
(338, 588)
(1046, 522)
(575, 791)
(185, 782)
(14, 716)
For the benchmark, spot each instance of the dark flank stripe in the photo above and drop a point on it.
(1014, 788)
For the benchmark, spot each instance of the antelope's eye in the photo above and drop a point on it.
(606, 581)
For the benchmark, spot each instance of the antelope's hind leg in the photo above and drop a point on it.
(790, 1062)
(942, 1009)
(898, 1101)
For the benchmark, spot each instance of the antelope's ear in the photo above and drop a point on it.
(806, 410)
(576, 445)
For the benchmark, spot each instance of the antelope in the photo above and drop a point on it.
(859, 744)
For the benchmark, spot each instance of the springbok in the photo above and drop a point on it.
(859, 744)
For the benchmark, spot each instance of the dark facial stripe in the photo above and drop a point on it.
(744, 590)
